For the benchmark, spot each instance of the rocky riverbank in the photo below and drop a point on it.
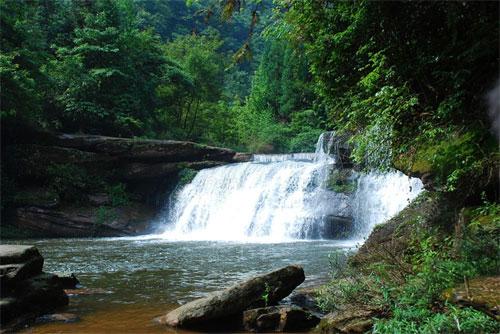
(251, 305)
(26, 291)
(63, 185)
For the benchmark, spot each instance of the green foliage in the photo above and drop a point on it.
(342, 181)
(68, 181)
(414, 292)
(109, 55)
(191, 108)
(105, 215)
(122, 68)
(118, 195)
(481, 244)
(387, 77)
(454, 320)
(278, 115)
(265, 295)
(186, 175)
(20, 44)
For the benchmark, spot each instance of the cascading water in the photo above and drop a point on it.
(281, 197)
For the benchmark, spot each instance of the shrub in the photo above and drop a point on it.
(105, 215)
(68, 181)
(186, 175)
(118, 195)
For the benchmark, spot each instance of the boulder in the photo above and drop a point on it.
(279, 319)
(242, 157)
(17, 263)
(17, 253)
(230, 303)
(353, 319)
(26, 291)
(35, 295)
(67, 280)
(389, 242)
(306, 298)
(337, 227)
(482, 293)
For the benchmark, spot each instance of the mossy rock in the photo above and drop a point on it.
(393, 240)
(342, 181)
(482, 293)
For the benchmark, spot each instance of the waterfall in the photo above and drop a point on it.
(282, 197)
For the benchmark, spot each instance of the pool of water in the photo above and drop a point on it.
(140, 279)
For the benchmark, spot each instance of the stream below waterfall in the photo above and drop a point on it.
(228, 224)
(132, 281)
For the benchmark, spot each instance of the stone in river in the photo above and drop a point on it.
(227, 305)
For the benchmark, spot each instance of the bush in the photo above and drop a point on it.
(186, 175)
(105, 215)
(118, 195)
(416, 299)
(68, 181)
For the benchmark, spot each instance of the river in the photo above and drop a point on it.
(228, 224)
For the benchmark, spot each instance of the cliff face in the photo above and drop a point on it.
(84, 185)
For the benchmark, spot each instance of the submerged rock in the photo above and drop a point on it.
(58, 317)
(229, 304)
(279, 319)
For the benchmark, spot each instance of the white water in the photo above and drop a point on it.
(279, 198)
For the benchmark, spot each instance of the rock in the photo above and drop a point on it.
(26, 290)
(58, 317)
(338, 227)
(242, 157)
(351, 320)
(38, 196)
(17, 263)
(67, 280)
(137, 170)
(305, 298)
(146, 149)
(86, 291)
(279, 319)
(149, 169)
(230, 303)
(388, 242)
(84, 221)
(99, 199)
(482, 293)
(17, 253)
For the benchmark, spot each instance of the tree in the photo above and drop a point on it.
(107, 77)
(403, 77)
(198, 57)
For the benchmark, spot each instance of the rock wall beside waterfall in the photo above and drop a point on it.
(84, 185)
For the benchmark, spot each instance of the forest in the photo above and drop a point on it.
(155, 69)
(413, 85)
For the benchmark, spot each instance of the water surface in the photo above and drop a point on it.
(141, 279)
